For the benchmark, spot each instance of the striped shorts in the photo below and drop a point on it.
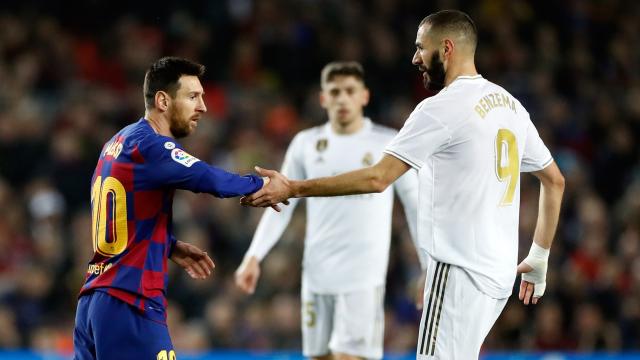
(456, 316)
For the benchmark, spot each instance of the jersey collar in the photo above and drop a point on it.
(366, 126)
(463, 77)
(469, 77)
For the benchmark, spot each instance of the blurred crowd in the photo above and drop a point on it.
(69, 82)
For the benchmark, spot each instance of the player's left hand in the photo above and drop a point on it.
(278, 190)
(534, 274)
(531, 287)
(194, 261)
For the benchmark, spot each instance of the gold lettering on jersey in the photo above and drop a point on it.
(113, 149)
(492, 101)
(484, 104)
(507, 163)
(98, 269)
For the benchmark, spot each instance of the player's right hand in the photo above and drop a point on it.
(248, 274)
(277, 190)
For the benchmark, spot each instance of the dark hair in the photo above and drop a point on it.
(453, 21)
(341, 68)
(164, 74)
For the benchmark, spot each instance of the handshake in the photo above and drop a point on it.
(276, 189)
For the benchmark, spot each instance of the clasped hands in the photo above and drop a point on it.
(276, 189)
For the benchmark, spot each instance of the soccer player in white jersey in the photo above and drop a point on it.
(347, 238)
(469, 144)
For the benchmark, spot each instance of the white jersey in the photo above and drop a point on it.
(469, 144)
(348, 237)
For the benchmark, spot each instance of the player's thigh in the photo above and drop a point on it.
(317, 322)
(359, 323)
(121, 332)
(456, 315)
(83, 344)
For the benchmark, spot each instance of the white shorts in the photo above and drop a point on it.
(350, 323)
(456, 316)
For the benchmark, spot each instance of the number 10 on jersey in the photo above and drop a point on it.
(507, 163)
(109, 195)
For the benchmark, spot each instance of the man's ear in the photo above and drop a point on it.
(322, 98)
(367, 96)
(162, 101)
(449, 46)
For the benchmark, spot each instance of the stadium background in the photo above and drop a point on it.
(71, 75)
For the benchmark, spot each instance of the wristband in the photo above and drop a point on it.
(538, 253)
(538, 259)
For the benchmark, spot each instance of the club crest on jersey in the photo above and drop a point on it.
(367, 160)
(321, 145)
(182, 157)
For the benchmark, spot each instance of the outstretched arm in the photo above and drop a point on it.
(368, 180)
(534, 266)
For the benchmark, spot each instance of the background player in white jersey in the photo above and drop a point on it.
(469, 144)
(347, 238)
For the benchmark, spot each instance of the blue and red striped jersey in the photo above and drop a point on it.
(131, 199)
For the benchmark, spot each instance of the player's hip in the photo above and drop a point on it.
(456, 315)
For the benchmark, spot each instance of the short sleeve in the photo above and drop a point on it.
(535, 156)
(421, 136)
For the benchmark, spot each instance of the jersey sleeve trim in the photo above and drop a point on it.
(547, 163)
(541, 167)
(403, 158)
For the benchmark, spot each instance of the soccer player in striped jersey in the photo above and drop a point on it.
(121, 307)
(347, 238)
(469, 144)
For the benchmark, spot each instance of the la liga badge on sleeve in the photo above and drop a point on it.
(182, 157)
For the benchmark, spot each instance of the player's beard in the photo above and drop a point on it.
(435, 74)
(179, 127)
